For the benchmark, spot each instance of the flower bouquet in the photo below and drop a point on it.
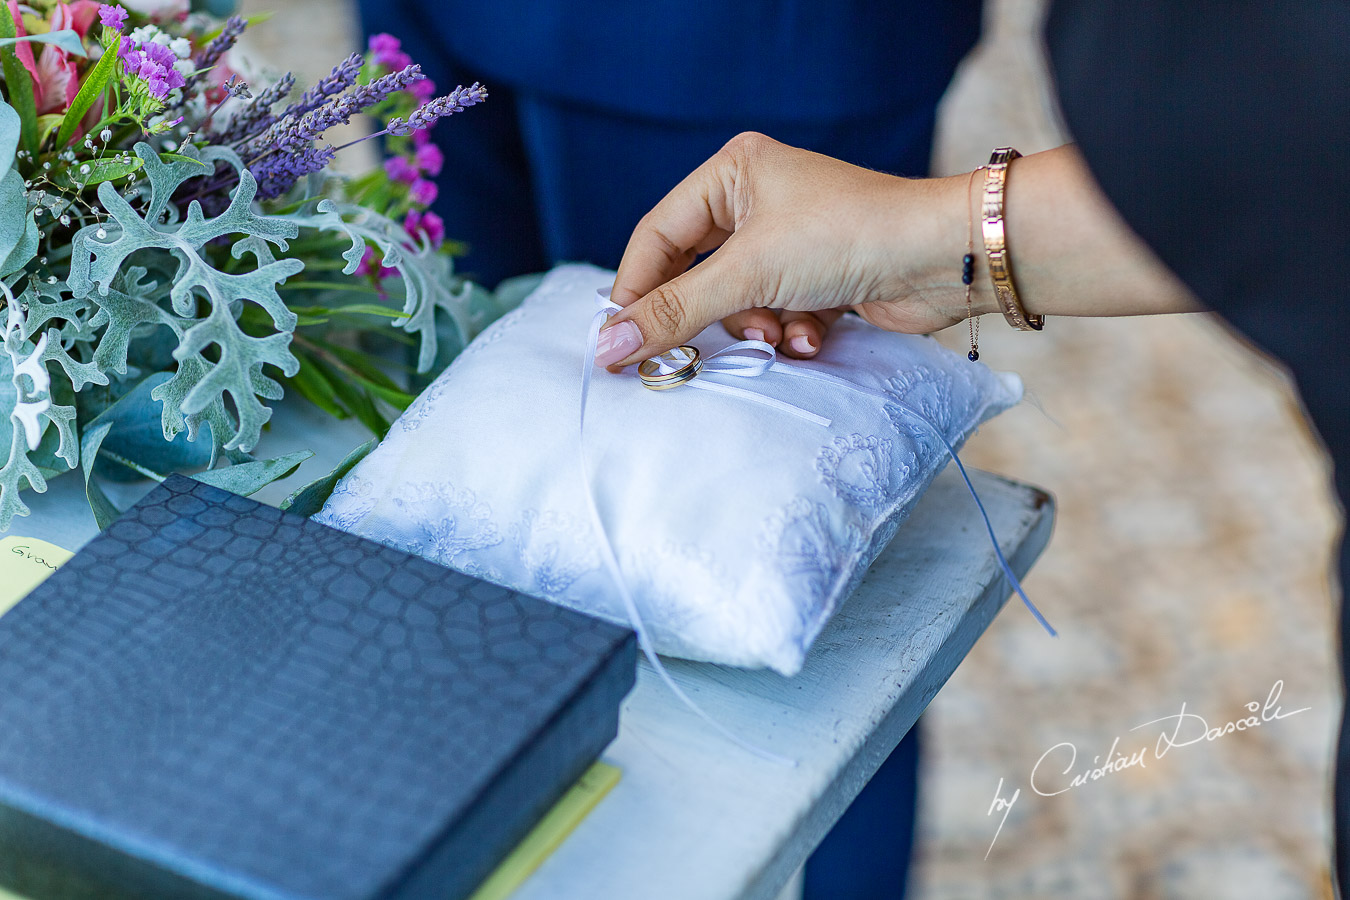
(175, 253)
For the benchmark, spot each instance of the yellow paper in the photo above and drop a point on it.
(24, 564)
(549, 832)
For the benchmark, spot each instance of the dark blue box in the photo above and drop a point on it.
(215, 699)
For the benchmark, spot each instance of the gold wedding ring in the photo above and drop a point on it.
(649, 370)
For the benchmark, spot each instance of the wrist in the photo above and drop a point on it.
(937, 222)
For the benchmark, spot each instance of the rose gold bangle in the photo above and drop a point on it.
(996, 242)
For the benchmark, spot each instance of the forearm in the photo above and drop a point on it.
(1071, 253)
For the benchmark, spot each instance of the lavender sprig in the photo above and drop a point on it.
(210, 54)
(427, 114)
(276, 173)
(343, 76)
(258, 114)
(221, 43)
(290, 134)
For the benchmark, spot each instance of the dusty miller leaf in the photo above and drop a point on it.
(198, 388)
(427, 275)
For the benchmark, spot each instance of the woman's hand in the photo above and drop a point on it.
(800, 232)
(793, 231)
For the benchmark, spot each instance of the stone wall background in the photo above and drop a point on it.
(1190, 565)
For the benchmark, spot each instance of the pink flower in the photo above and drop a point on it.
(55, 81)
(400, 169)
(84, 12)
(422, 90)
(421, 137)
(367, 265)
(386, 50)
(429, 158)
(425, 223)
(423, 192)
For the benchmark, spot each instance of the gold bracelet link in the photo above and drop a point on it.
(996, 242)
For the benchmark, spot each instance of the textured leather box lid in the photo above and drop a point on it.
(215, 698)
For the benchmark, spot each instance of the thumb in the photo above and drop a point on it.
(673, 313)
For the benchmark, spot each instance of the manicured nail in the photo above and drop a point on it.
(802, 344)
(616, 342)
(754, 334)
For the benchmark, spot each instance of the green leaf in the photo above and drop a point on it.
(358, 402)
(95, 83)
(47, 124)
(167, 157)
(101, 170)
(315, 387)
(250, 477)
(351, 309)
(66, 39)
(18, 87)
(309, 499)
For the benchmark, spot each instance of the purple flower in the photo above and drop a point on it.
(421, 137)
(400, 169)
(279, 170)
(386, 50)
(423, 90)
(160, 54)
(423, 192)
(114, 17)
(425, 223)
(229, 35)
(426, 114)
(429, 158)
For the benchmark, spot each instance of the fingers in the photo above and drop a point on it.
(804, 332)
(694, 218)
(672, 313)
(755, 324)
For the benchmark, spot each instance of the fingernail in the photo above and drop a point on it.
(616, 342)
(754, 334)
(802, 344)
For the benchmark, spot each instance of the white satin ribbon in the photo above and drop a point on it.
(736, 360)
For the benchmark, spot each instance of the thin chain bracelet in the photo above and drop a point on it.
(968, 272)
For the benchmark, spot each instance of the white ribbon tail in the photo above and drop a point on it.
(612, 563)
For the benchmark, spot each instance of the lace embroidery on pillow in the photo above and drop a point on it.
(664, 577)
(493, 333)
(933, 393)
(555, 549)
(416, 415)
(858, 470)
(452, 519)
(354, 496)
(807, 547)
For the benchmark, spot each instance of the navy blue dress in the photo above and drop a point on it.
(597, 108)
